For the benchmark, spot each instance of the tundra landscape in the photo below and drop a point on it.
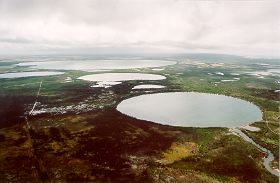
(217, 122)
(139, 91)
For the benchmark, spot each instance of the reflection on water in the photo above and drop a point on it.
(190, 109)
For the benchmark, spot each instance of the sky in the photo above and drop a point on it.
(242, 27)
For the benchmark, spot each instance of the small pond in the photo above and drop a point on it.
(147, 87)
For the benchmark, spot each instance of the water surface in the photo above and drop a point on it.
(28, 74)
(147, 87)
(190, 109)
(112, 77)
(96, 65)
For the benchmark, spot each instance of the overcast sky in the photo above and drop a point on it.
(140, 26)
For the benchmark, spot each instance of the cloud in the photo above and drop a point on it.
(180, 26)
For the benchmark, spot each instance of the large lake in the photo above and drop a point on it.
(96, 65)
(191, 109)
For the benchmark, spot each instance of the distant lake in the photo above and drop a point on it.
(191, 109)
(28, 74)
(109, 79)
(96, 65)
(121, 77)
